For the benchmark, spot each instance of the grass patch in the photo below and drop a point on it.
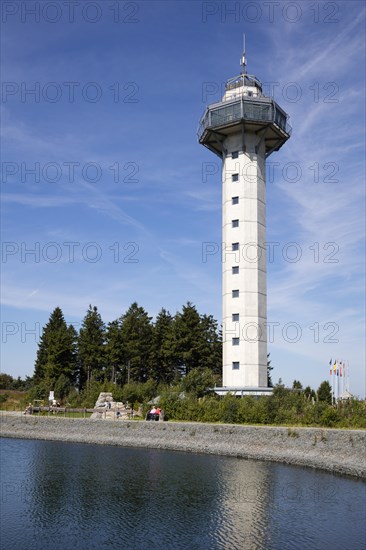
(13, 400)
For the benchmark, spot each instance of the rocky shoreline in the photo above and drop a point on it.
(337, 451)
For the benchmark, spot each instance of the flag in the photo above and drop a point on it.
(335, 366)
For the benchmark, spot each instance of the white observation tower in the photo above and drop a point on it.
(243, 129)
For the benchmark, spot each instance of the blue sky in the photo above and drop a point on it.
(119, 204)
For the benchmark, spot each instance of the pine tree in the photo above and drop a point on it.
(325, 392)
(211, 352)
(73, 335)
(91, 347)
(189, 342)
(136, 330)
(269, 369)
(115, 353)
(162, 357)
(198, 341)
(56, 353)
(309, 393)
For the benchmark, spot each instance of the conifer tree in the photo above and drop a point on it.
(91, 343)
(136, 330)
(269, 370)
(115, 353)
(325, 392)
(211, 353)
(163, 361)
(57, 353)
(188, 345)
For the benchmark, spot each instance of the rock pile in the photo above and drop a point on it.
(103, 400)
(111, 410)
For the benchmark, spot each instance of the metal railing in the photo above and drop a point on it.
(66, 412)
(244, 109)
(243, 80)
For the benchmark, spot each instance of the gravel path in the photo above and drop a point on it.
(340, 451)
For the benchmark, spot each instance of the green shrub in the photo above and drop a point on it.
(198, 382)
(40, 391)
(4, 397)
(329, 417)
(211, 409)
(230, 409)
(62, 387)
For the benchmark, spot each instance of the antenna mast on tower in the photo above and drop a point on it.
(243, 60)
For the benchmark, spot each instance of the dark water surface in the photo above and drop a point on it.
(71, 496)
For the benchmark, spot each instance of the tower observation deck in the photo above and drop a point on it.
(243, 129)
(243, 109)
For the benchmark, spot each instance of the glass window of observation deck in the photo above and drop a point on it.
(222, 115)
(280, 119)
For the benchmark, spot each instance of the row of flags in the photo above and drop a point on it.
(339, 377)
(338, 368)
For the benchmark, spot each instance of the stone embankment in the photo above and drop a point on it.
(339, 451)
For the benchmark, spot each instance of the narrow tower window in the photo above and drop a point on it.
(235, 341)
(235, 223)
(235, 246)
(235, 269)
(235, 293)
(235, 365)
(235, 154)
(235, 200)
(235, 177)
(235, 317)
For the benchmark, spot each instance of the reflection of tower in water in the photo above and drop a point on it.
(245, 497)
(243, 129)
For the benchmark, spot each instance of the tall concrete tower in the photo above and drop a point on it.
(243, 129)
